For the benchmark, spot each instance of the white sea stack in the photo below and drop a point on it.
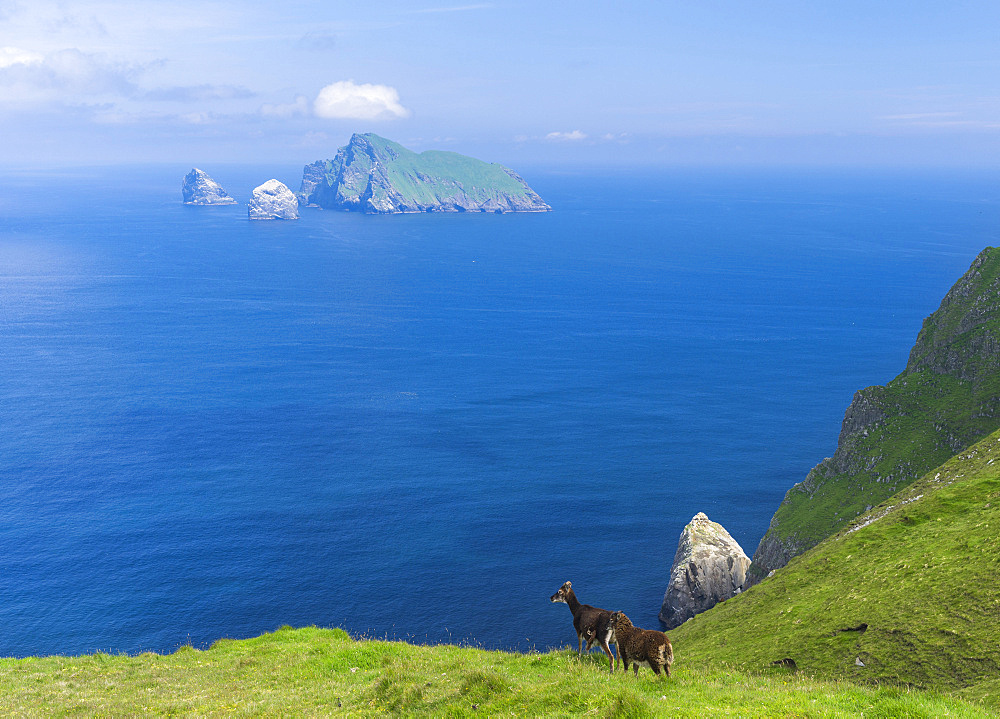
(709, 567)
(200, 189)
(273, 201)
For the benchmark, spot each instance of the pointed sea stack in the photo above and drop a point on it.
(709, 567)
(377, 176)
(273, 201)
(200, 189)
(947, 398)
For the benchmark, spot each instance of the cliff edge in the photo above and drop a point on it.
(947, 398)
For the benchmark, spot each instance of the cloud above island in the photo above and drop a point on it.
(346, 100)
(572, 136)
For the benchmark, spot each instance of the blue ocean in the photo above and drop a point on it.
(419, 426)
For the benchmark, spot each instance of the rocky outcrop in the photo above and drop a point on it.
(947, 398)
(273, 201)
(709, 567)
(200, 189)
(377, 176)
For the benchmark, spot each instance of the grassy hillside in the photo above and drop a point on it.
(947, 398)
(910, 590)
(314, 672)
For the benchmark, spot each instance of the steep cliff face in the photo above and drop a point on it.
(709, 567)
(947, 398)
(377, 176)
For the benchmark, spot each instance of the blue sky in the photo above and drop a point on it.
(663, 83)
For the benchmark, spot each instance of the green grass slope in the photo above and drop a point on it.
(947, 398)
(425, 175)
(910, 590)
(315, 672)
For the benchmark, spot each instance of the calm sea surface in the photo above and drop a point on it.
(420, 426)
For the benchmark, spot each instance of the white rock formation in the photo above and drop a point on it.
(273, 201)
(709, 567)
(200, 189)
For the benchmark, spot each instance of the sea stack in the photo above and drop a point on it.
(709, 567)
(200, 189)
(273, 201)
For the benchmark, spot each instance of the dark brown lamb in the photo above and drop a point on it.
(591, 624)
(641, 646)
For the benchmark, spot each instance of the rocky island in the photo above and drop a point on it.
(377, 176)
(273, 201)
(200, 189)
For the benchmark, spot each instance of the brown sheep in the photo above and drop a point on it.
(591, 624)
(641, 646)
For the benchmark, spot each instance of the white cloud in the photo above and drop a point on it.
(16, 56)
(346, 101)
(290, 109)
(63, 75)
(573, 136)
(197, 118)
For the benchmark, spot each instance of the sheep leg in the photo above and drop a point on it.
(611, 657)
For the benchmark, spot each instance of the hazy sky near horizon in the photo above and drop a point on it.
(771, 82)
